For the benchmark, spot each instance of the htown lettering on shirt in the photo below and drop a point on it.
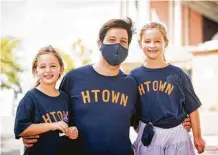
(54, 116)
(155, 86)
(90, 96)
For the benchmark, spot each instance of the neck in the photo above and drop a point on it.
(103, 68)
(155, 63)
(49, 90)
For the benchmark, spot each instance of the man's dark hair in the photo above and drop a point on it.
(117, 23)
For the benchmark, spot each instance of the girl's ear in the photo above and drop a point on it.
(34, 72)
(140, 44)
(165, 45)
(62, 71)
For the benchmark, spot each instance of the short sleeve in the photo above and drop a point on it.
(70, 114)
(137, 114)
(64, 84)
(192, 102)
(24, 116)
(131, 74)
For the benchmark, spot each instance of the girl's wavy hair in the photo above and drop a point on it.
(46, 50)
(159, 26)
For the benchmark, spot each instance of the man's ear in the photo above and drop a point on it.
(99, 44)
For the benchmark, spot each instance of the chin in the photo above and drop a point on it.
(118, 66)
(153, 58)
(52, 82)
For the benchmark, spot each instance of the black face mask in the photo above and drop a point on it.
(114, 54)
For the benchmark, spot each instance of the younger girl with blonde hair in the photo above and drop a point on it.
(44, 109)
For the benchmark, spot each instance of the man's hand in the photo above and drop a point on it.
(187, 124)
(72, 132)
(30, 140)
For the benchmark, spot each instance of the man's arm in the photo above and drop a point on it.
(30, 140)
(187, 124)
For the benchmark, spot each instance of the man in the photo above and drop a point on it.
(103, 98)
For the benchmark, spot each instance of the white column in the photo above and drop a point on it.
(132, 12)
(123, 12)
(171, 24)
(177, 24)
(143, 13)
(120, 7)
(186, 24)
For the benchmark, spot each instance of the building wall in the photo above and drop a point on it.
(196, 28)
(161, 8)
(184, 28)
(191, 21)
(204, 77)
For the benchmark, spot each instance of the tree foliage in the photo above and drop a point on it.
(10, 69)
(84, 52)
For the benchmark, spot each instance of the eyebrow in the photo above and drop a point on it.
(152, 39)
(111, 37)
(53, 63)
(124, 39)
(116, 37)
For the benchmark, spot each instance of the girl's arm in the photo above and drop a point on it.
(36, 129)
(198, 141)
(192, 103)
(195, 121)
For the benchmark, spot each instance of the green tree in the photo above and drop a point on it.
(9, 78)
(84, 52)
(68, 61)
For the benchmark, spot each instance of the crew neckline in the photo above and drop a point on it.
(105, 76)
(155, 69)
(48, 95)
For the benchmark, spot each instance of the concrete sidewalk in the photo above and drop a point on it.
(9, 145)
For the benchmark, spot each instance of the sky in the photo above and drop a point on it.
(38, 23)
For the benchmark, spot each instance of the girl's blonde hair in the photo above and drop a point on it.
(46, 50)
(153, 25)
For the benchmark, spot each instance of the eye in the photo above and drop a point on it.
(157, 41)
(112, 39)
(42, 67)
(146, 41)
(124, 41)
(53, 66)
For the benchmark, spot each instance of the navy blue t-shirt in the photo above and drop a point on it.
(166, 95)
(102, 108)
(37, 107)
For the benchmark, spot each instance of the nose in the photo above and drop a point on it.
(151, 45)
(47, 69)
